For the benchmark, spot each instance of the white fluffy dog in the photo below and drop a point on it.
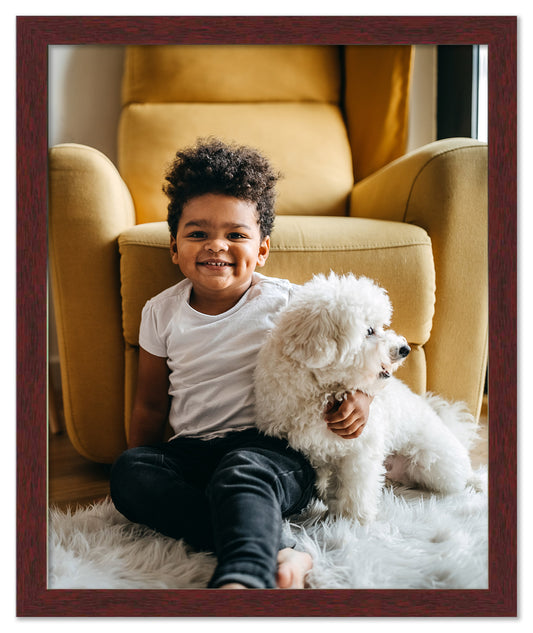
(332, 340)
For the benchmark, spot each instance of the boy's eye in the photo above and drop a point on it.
(197, 235)
(370, 331)
(236, 236)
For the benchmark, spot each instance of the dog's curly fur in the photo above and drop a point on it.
(331, 340)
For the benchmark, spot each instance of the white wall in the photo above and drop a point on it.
(423, 110)
(84, 95)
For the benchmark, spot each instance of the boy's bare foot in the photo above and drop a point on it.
(292, 568)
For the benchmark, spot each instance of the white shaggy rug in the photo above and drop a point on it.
(419, 541)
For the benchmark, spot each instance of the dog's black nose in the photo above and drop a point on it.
(404, 350)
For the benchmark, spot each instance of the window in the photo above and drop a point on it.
(480, 114)
(462, 92)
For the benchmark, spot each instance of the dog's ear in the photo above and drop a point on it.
(309, 336)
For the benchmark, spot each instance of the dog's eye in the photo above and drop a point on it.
(370, 331)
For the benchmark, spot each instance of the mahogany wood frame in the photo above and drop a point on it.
(34, 35)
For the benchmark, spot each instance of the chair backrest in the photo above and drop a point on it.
(308, 108)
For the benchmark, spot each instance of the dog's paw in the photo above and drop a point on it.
(365, 518)
(343, 509)
(338, 509)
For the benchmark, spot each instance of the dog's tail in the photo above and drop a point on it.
(457, 417)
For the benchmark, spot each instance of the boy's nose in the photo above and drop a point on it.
(216, 246)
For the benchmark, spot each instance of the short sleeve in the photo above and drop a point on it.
(149, 336)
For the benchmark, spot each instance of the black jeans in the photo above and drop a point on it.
(226, 495)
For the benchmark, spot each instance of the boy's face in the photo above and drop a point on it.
(218, 246)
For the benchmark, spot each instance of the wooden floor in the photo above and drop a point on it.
(75, 481)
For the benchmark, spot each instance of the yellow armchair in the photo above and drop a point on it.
(333, 120)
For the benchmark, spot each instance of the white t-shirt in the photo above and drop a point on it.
(211, 357)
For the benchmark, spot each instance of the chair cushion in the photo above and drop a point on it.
(317, 176)
(237, 73)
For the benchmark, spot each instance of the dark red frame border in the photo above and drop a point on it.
(34, 35)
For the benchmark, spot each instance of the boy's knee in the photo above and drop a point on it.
(285, 480)
(126, 464)
(243, 471)
(127, 479)
(253, 474)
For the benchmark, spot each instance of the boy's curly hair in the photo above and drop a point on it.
(213, 166)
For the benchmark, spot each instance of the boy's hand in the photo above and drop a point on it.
(348, 417)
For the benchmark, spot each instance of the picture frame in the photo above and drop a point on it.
(34, 35)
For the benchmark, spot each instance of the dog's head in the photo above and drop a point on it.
(338, 324)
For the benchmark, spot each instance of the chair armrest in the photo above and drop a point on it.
(89, 206)
(442, 187)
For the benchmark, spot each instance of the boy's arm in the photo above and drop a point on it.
(348, 418)
(151, 404)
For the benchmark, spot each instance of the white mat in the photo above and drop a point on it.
(419, 541)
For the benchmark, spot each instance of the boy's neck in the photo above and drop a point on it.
(215, 303)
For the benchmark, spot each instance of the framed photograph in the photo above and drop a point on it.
(35, 34)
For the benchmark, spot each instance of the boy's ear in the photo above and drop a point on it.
(173, 250)
(264, 250)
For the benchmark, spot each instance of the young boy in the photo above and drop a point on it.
(217, 483)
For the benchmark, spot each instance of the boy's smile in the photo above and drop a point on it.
(218, 246)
